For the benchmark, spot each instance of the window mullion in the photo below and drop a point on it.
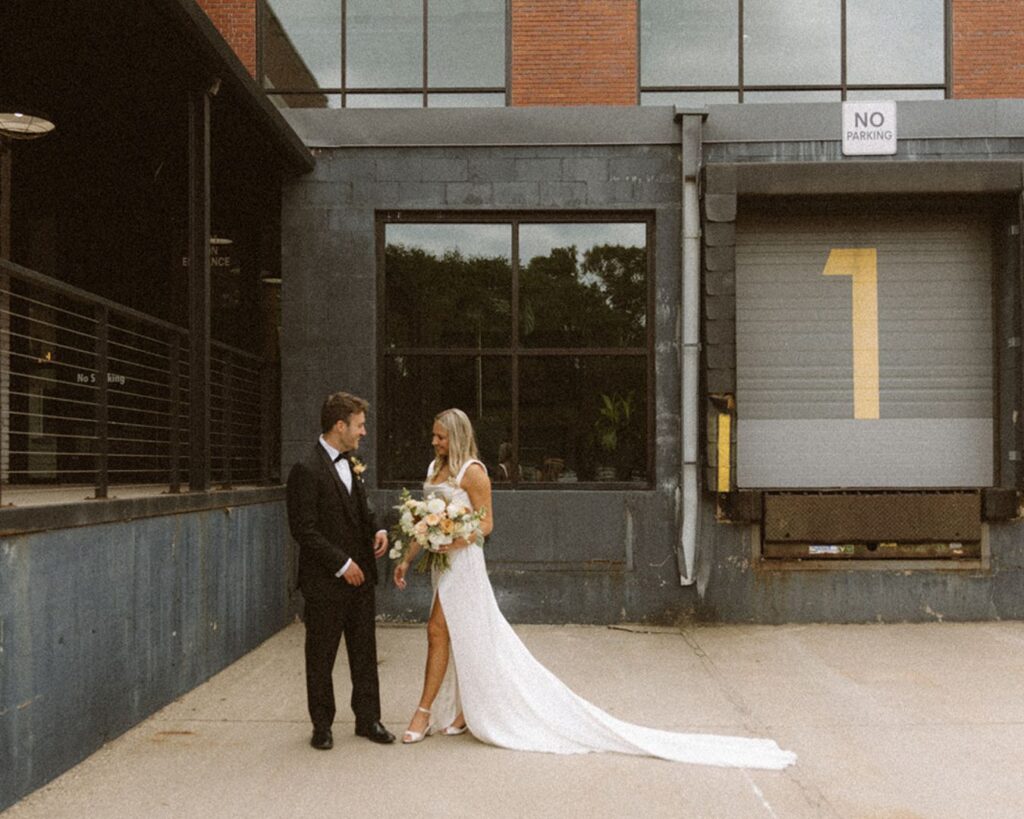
(515, 352)
(842, 48)
(344, 55)
(426, 78)
(739, 52)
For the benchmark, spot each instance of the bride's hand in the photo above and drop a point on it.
(399, 575)
(458, 543)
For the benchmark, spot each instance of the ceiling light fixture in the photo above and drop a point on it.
(24, 124)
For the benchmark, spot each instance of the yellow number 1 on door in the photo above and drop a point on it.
(862, 265)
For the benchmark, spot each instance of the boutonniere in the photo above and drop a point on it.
(358, 467)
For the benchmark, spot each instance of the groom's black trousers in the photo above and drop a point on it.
(326, 620)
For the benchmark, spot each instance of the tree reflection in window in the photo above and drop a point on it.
(579, 290)
(546, 348)
(447, 287)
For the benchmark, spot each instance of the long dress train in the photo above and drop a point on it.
(509, 699)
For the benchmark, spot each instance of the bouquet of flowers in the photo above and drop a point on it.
(433, 523)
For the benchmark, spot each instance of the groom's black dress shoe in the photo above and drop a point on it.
(322, 739)
(375, 733)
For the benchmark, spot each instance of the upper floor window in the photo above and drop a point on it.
(369, 54)
(697, 52)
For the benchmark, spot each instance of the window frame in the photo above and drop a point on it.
(517, 351)
(424, 90)
(843, 87)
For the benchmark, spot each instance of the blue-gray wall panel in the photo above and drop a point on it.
(102, 625)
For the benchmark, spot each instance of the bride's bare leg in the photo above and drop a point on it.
(438, 653)
(438, 649)
(459, 721)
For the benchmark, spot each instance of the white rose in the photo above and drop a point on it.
(395, 553)
(435, 506)
(407, 520)
(455, 510)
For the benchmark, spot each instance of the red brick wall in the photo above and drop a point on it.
(236, 21)
(988, 48)
(574, 52)
(584, 52)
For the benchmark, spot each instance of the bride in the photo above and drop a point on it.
(479, 675)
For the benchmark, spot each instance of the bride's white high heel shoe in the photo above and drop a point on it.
(412, 737)
(455, 730)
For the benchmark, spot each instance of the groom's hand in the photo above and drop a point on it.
(380, 543)
(354, 576)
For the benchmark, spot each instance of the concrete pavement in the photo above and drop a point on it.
(888, 721)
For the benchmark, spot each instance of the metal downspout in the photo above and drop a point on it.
(690, 342)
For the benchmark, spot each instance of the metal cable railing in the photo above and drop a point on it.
(95, 392)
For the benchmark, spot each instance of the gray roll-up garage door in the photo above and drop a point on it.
(864, 351)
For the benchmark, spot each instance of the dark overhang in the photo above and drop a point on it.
(222, 63)
(95, 68)
(867, 177)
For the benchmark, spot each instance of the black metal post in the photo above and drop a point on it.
(102, 403)
(5, 317)
(5, 198)
(174, 412)
(228, 419)
(266, 438)
(199, 287)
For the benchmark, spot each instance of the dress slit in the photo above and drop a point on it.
(446, 705)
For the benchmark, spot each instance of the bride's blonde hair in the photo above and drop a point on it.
(461, 441)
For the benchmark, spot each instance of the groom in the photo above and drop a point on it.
(339, 541)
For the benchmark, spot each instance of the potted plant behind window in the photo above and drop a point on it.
(616, 436)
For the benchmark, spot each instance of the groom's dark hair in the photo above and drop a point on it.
(340, 406)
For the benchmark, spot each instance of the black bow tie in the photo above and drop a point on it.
(342, 455)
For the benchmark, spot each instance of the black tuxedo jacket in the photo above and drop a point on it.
(330, 524)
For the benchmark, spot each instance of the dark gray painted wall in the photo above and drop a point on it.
(100, 626)
(583, 159)
(572, 556)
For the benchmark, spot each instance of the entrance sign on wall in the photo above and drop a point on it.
(861, 264)
(869, 128)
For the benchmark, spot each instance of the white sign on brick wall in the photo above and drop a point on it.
(869, 128)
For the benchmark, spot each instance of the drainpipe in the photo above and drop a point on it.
(689, 483)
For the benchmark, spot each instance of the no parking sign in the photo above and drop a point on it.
(869, 128)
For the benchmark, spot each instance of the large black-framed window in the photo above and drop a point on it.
(539, 326)
(394, 54)
(698, 52)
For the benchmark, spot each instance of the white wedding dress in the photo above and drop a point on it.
(511, 700)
